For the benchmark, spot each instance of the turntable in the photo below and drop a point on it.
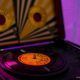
(31, 35)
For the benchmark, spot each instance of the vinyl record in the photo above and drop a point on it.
(13, 64)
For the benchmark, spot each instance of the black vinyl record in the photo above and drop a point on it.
(11, 64)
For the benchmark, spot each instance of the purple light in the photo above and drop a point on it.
(26, 46)
(71, 12)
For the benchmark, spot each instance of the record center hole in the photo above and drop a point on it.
(2, 19)
(37, 17)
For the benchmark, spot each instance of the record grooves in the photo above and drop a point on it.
(14, 67)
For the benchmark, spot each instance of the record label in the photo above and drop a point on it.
(34, 59)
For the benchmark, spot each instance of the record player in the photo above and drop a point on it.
(32, 42)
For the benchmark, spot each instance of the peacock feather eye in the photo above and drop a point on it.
(37, 16)
(2, 19)
(7, 18)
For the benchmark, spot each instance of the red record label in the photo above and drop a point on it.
(34, 59)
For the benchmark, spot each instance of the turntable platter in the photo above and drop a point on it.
(38, 65)
(34, 59)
